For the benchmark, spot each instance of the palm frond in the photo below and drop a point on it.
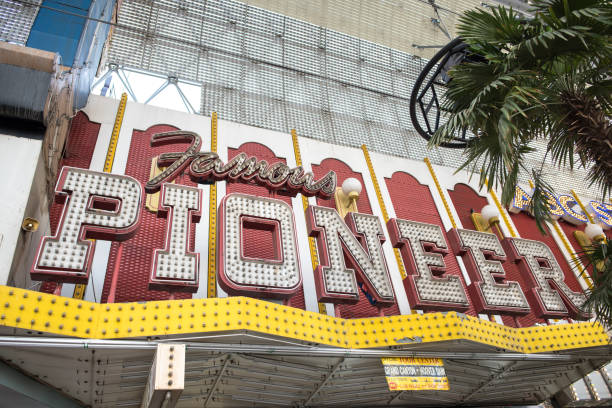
(500, 26)
(561, 7)
(598, 259)
(539, 205)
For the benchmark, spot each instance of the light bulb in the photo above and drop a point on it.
(488, 211)
(593, 230)
(351, 185)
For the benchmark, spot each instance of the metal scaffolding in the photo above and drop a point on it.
(264, 69)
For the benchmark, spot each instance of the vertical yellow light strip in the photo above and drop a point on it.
(112, 145)
(572, 253)
(212, 221)
(314, 258)
(568, 247)
(588, 215)
(435, 179)
(398, 256)
(503, 213)
(79, 289)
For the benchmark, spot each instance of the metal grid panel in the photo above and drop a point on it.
(344, 100)
(223, 100)
(221, 71)
(348, 131)
(16, 20)
(303, 58)
(178, 59)
(342, 59)
(179, 19)
(128, 48)
(264, 80)
(283, 60)
(311, 120)
(264, 41)
(304, 90)
(273, 71)
(398, 24)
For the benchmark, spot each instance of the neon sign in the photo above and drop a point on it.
(351, 255)
(239, 274)
(423, 248)
(483, 256)
(174, 266)
(564, 206)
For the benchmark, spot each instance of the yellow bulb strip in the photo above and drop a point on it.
(314, 256)
(212, 221)
(56, 315)
(588, 215)
(79, 289)
(383, 208)
(439, 188)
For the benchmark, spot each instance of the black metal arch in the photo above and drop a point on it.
(453, 53)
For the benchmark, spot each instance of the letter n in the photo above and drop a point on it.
(335, 280)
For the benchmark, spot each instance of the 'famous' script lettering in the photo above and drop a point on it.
(205, 166)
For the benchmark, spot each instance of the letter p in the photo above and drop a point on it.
(96, 205)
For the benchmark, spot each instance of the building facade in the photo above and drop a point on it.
(219, 256)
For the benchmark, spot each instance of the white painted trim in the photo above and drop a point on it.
(568, 258)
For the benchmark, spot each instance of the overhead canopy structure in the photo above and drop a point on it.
(241, 351)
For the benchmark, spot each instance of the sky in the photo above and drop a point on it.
(144, 85)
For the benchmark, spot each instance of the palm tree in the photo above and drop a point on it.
(546, 77)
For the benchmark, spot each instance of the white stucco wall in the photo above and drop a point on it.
(18, 159)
